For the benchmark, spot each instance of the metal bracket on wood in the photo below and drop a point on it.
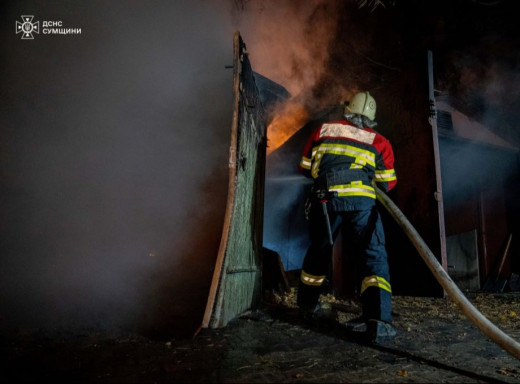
(232, 157)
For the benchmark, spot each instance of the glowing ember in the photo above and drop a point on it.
(290, 118)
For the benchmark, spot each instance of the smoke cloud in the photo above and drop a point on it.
(488, 90)
(113, 163)
(290, 42)
(114, 148)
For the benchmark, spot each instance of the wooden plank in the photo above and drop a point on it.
(231, 186)
(236, 283)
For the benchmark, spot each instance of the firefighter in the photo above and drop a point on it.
(345, 158)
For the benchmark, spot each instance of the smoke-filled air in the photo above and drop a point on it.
(114, 142)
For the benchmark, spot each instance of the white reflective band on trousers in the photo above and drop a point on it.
(491, 330)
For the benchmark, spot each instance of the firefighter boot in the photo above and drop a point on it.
(307, 301)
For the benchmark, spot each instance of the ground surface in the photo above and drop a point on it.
(435, 343)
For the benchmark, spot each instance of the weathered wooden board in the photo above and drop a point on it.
(237, 278)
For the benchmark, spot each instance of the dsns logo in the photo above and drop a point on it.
(27, 27)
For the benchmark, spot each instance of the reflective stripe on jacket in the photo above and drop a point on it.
(346, 159)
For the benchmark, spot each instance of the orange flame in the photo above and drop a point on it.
(290, 118)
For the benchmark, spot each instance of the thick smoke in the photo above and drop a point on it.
(114, 148)
(288, 40)
(114, 152)
(113, 163)
(487, 89)
(477, 62)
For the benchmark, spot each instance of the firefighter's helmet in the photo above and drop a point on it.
(362, 103)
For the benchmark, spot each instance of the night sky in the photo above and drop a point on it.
(114, 142)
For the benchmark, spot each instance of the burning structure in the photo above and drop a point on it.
(455, 186)
(112, 123)
(467, 230)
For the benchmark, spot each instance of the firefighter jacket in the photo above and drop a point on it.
(344, 160)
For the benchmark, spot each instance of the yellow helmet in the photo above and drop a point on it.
(362, 103)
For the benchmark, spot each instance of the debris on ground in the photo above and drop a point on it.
(434, 343)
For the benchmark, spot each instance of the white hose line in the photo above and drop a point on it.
(491, 330)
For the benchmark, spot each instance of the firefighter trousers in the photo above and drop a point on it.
(366, 242)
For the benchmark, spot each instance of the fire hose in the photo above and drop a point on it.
(487, 327)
